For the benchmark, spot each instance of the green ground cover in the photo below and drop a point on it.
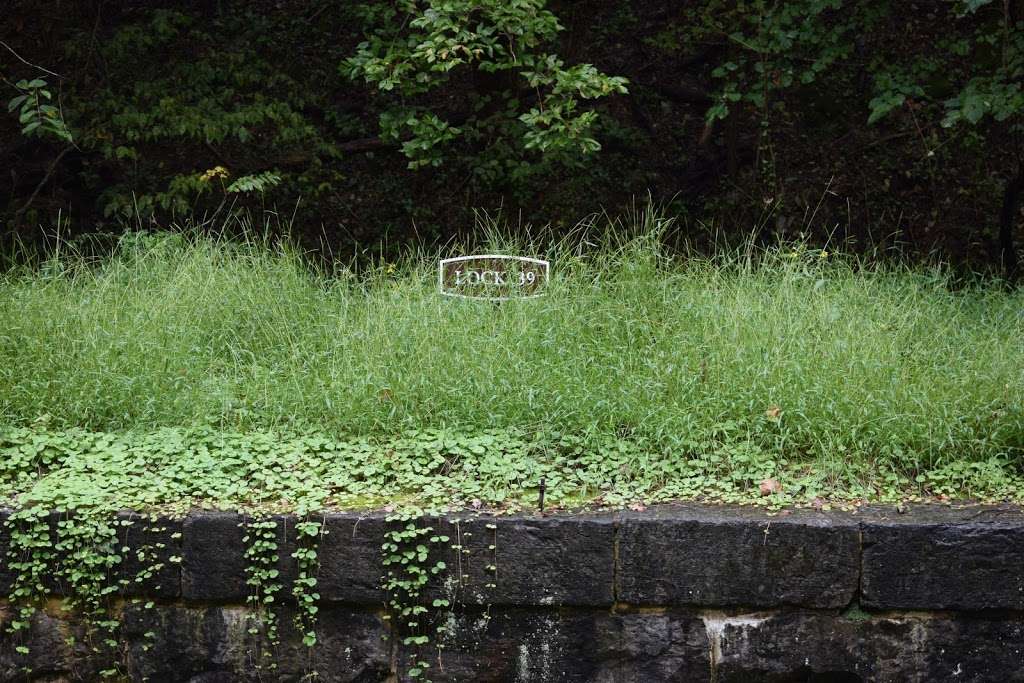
(185, 370)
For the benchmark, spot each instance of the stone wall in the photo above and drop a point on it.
(679, 593)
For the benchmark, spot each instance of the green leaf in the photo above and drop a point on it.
(972, 6)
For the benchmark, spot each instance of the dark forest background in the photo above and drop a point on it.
(892, 126)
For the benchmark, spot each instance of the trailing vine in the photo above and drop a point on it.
(79, 549)
(67, 487)
(262, 576)
(408, 568)
(493, 550)
(409, 555)
(149, 557)
(89, 554)
(308, 535)
(29, 556)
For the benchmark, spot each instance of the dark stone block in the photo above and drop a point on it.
(547, 561)
(549, 645)
(176, 643)
(348, 554)
(559, 560)
(49, 655)
(348, 562)
(956, 650)
(212, 644)
(729, 556)
(644, 646)
(216, 535)
(151, 573)
(350, 558)
(807, 646)
(789, 647)
(152, 565)
(942, 558)
(351, 646)
(213, 557)
(59, 648)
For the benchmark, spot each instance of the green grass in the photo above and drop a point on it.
(791, 362)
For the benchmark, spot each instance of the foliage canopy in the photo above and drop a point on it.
(500, 97)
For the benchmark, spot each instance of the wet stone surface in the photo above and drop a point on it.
(969, 559)
(677, 593)
(713, 556)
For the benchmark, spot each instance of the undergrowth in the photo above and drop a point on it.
(175, 469)
(85, 477)
(810, 357)
(184, 372)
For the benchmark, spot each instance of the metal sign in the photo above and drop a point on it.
(493, 277)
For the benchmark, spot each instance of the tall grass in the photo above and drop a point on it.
(805, 354)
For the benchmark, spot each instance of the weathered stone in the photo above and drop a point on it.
(728, 556)
(48, 654)
(57, 645)
(213, 557)
(647, 646)
(936, 557)
(348, 554)
(593, 646)
(559, 560)
(212, 644)
(704, 594)
(350, 559)
(152, 565)
(912, 648)
(788, 647)
(351, 646)
(955, 649)
(176, 643)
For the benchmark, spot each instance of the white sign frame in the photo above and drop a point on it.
(522, 259)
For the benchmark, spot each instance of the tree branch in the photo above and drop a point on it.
(42, 183)
(362, 145)
(682, 94)
(24, 61)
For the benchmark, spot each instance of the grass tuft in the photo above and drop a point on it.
(790, 354)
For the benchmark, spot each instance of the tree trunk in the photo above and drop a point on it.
(1008, 221)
